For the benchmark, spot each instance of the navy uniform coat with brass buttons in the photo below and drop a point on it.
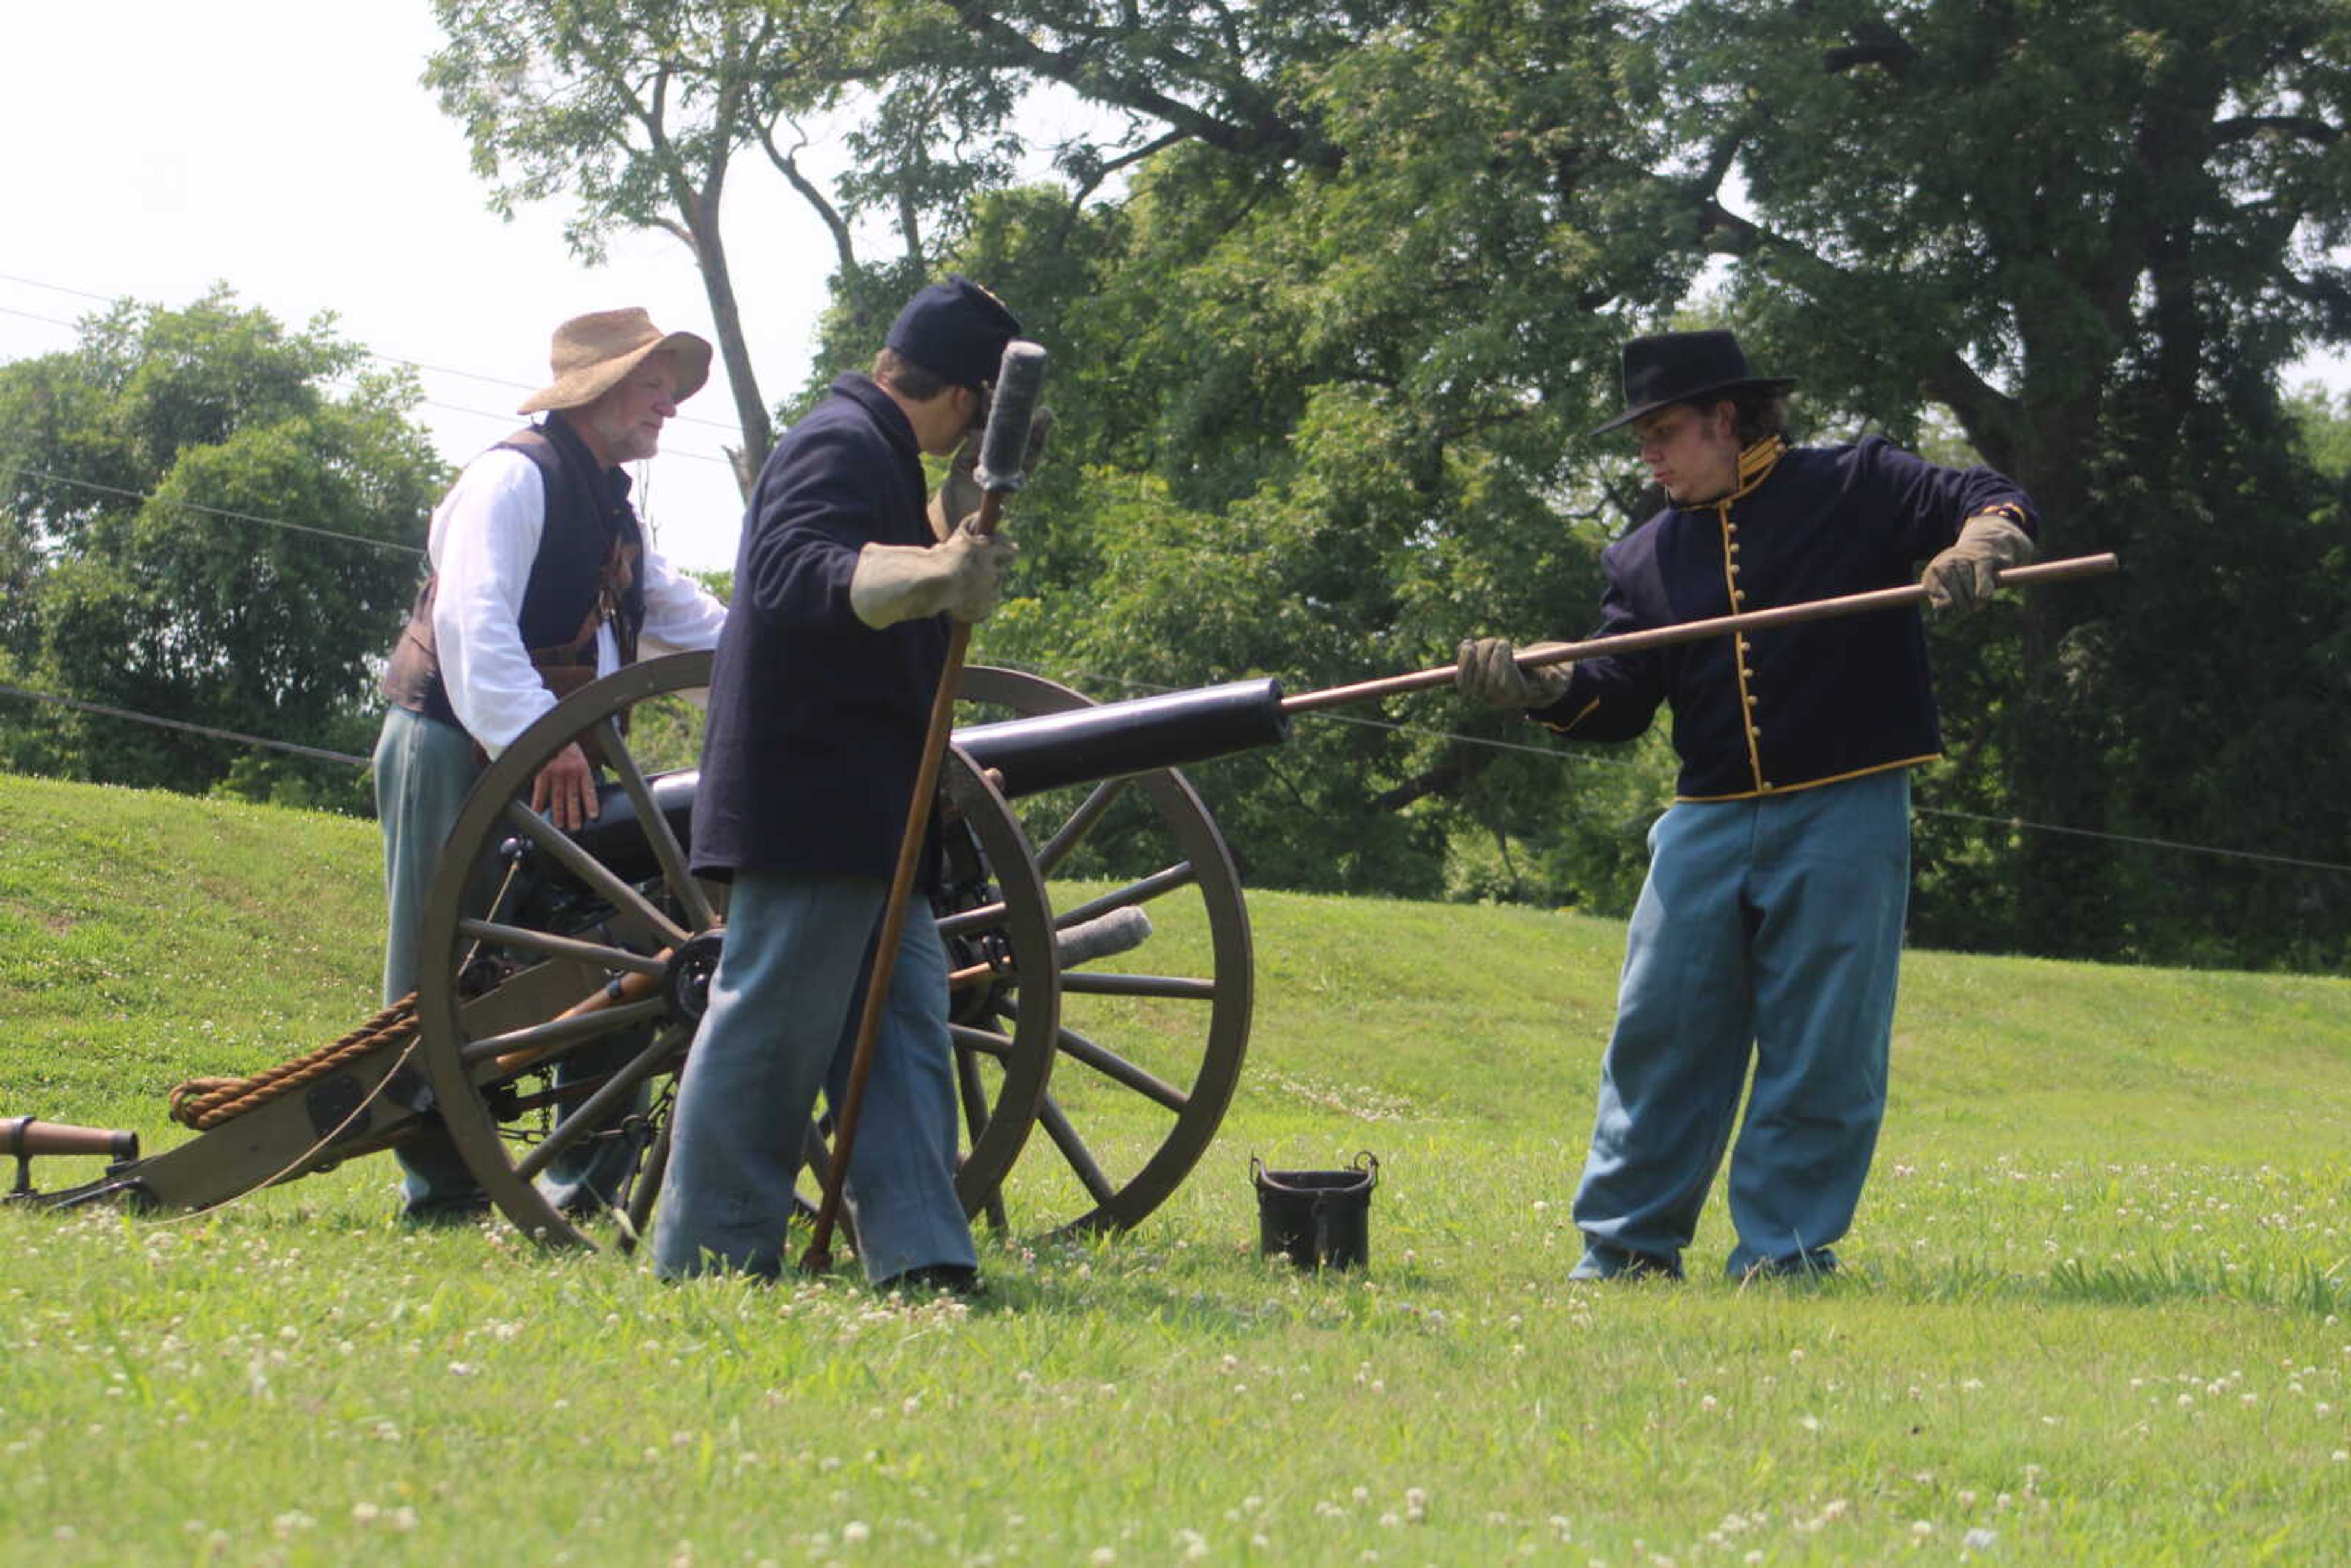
(1792, 707)
(816, 720)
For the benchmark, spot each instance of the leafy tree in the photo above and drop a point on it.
(213, 520)
(1336, 289)
(639, 109)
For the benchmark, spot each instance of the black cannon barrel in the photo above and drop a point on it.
(614, 838)
(1083, 746)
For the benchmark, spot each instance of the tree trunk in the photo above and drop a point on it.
(726, 320)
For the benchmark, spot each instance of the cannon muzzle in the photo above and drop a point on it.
(1085, 744)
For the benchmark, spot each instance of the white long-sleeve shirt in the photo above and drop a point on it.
(484, 535)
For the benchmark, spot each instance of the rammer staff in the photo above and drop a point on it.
(1696, 632)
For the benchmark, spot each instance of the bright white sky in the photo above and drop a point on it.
(286, 147)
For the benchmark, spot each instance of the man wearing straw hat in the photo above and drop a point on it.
(1770, 927)
(540, 582)
(819, 706)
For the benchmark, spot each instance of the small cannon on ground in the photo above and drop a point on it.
(541, 946)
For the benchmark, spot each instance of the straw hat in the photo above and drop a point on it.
(593, 354)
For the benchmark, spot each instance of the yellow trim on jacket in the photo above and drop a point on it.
(1807, 784)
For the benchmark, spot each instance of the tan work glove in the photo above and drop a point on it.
(959, 493)
(960, 576)
(1487, 671)
(1960, 581)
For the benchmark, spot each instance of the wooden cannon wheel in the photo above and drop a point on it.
(1149, 1058)
(562, 973)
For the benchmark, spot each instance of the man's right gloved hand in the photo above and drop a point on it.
(1487, 671)
(961, 576)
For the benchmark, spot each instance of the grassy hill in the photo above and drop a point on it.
(2093, 1313)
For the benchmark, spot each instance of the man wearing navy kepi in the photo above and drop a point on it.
(1770, 928)
(834, 645)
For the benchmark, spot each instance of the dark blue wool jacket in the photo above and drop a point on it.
(816, 720)
(1796, 705)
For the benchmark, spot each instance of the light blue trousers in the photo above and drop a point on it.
(783, 1017)
(1769, 933)
(424, 771)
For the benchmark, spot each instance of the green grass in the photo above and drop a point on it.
(2099, 1309)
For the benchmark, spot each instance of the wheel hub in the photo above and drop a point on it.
(686, 982)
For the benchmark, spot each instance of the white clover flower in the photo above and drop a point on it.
(856, 1532)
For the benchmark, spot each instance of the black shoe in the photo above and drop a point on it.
(1816, 1264)
(935, 1280)
(1604, 1261)
(437, 1213)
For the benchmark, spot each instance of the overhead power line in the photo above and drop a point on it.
(2129, 839)
(313, 751)
(370, 353)
(214, 511)
(452, 407)
(2012, 822)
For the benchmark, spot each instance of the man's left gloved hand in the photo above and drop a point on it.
(1488, 671)
(959, 493)
(1960, 579)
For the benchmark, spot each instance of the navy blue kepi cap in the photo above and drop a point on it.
(956, 330)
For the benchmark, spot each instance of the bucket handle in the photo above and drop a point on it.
(1365, 1164)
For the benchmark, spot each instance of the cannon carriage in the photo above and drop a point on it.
(1103, 997)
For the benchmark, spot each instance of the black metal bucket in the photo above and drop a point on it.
(1321, 1219)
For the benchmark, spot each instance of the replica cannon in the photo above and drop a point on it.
(541, 946)
(1067, 837)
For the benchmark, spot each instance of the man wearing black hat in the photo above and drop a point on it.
(819, 705)
(540, 581)
(1770, 928)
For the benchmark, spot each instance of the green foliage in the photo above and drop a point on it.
(1335, 292)
(145, 473)
(2093, 1310)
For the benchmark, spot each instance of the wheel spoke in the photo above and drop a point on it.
(1081, 824)
(657, 830)
(975, 1116)
(1117, 1069)
(1086, 982)
(1065, 1138)
(592, 871)
(555, 946)
(982, 917)
(985, 1041)
(1178, 876)
(647, 1192)
(974, 1093)
(589, 1115)
(540, 1038)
